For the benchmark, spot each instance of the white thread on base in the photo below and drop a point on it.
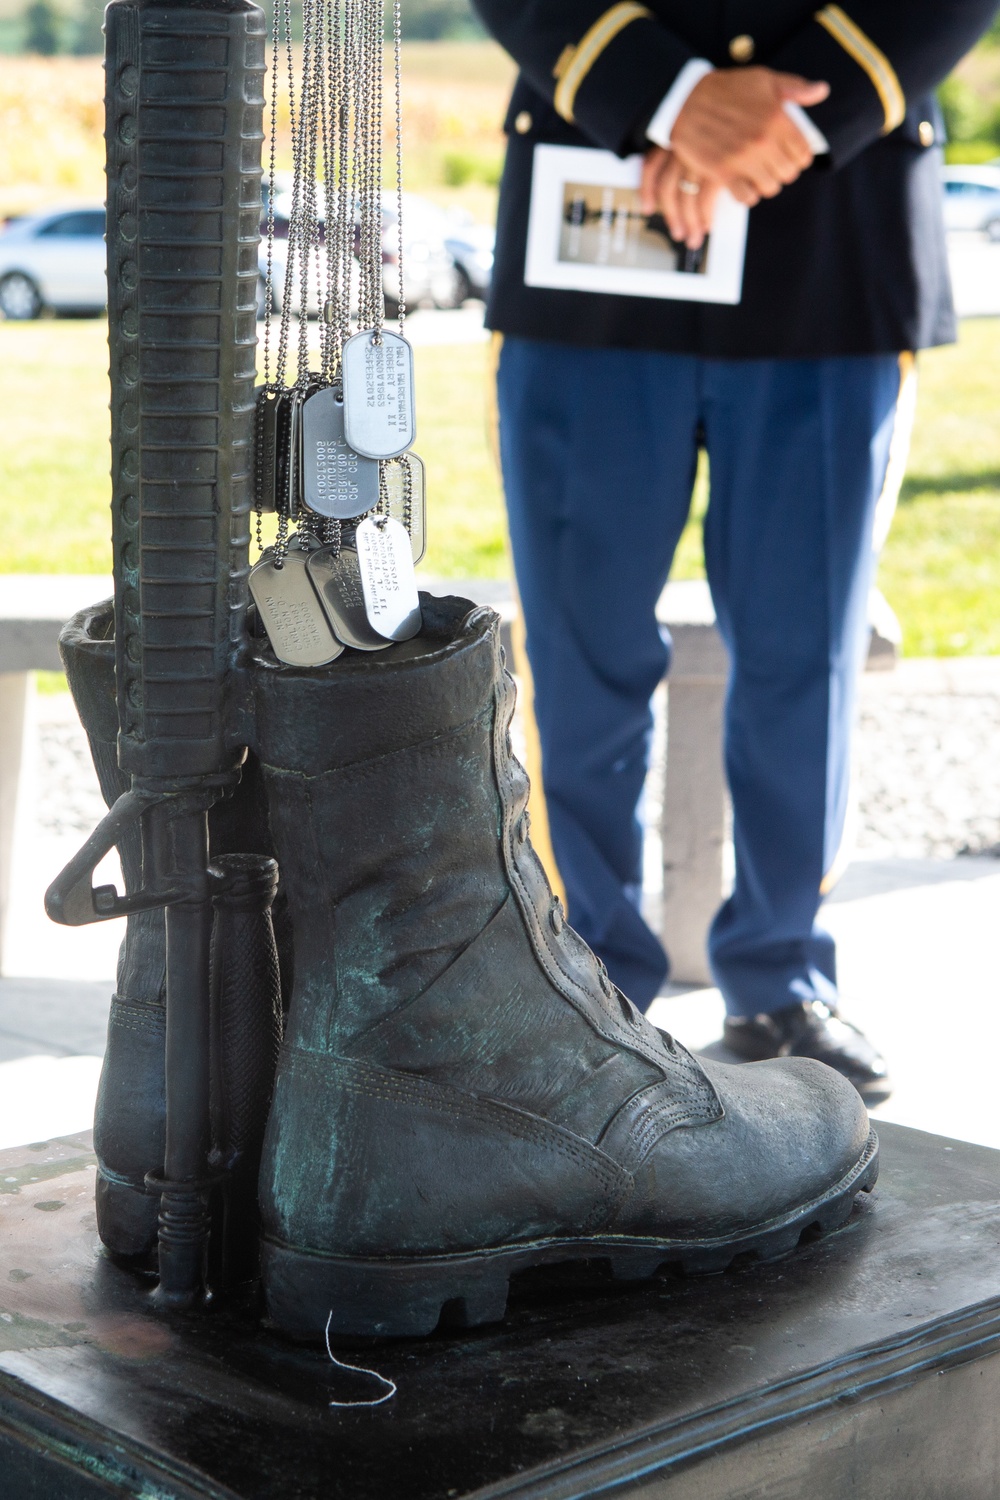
(357, 1370)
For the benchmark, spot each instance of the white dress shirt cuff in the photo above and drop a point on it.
(815, 139)
(659, 128)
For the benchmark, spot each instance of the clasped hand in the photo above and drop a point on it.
(732, 132)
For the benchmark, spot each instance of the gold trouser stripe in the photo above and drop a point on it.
(899, 449)
(869, 57)
(541, 839)
(885, 509)
(574, 69)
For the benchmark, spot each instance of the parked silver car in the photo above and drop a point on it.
(470, 246)
(972, 199)
(53, 259)
(56, 259)
(431, 277)
(428, 269)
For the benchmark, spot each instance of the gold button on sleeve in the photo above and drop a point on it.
(925, 130)
(523, 122)
(741, 48)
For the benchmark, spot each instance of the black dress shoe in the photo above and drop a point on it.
(812, 1029)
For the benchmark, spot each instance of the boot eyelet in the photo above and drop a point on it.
(557, 919)
(629, 1011)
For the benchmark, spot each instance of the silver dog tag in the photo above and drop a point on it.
(387, 577)
(410, 510)
(267, 431)
(379, 416)
(289, 466)
(336, 481)
(291, 613)
(337, 580)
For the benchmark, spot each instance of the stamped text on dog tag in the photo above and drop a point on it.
(387, 577)
(337, 580)
(336, 481)
(379, 417)
(291, 613)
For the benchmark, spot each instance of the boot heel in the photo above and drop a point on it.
(126, 1222)
(379, 1298)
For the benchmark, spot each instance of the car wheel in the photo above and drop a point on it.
(20, 298)
(463, 287)
(993, 230)
(450, 287)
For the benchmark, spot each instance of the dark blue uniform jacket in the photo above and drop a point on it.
(848, 260)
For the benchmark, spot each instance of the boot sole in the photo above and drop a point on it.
(397, 1298)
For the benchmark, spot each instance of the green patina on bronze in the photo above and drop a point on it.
(17, 1178)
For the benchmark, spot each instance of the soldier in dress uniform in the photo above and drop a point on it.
(824, 123)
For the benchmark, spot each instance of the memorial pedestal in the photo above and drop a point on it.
(865, 1364)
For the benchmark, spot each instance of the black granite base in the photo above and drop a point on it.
(864, 1365)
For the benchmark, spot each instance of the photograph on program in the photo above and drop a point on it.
(603, 225)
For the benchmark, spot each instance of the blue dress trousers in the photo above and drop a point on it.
(599, 448)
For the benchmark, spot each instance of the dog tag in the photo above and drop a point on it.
(336, 578)
(387, 577)
(287, 466)
(336, 481)
(267, 421)
(379, 418)
(413, 516)
(291, 613)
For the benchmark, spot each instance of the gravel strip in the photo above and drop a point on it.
(69, 798)
(928, 759)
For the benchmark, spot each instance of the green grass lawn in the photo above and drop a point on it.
(941, 566)
(940, 570)
(54, 485)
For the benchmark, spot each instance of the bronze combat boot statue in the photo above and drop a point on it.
(462, 1092)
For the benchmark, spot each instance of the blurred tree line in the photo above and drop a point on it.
(49, 27)
(970, 98)
(440, 21)
(970, 102)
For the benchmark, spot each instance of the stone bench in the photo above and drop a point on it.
(33, 610)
